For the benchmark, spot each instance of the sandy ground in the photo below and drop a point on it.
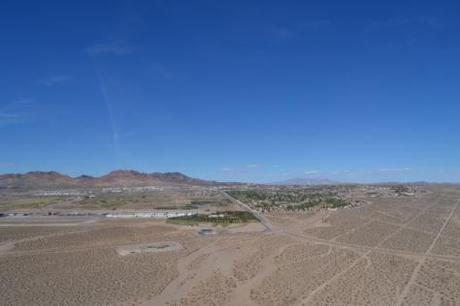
(399, 251)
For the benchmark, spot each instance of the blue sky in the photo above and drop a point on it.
(232, 90)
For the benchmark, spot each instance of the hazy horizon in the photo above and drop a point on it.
(326, 178)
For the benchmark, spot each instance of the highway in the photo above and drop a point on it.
(263, 220)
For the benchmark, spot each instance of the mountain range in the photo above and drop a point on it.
(122, 178)
(118, 178)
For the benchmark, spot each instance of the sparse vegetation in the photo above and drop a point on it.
(53, 263)
(26, 202)
(173, 207)
(98, 199)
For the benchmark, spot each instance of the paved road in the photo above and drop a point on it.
(265, 222)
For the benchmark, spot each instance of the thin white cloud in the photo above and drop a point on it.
(311, 172)
(54, 80)
(13, 118)
(7, 164)
(17, 112)
(393, 169)
(252, 166)
(114, 47)
(227, 169)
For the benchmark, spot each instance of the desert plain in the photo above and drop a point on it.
(386, 249)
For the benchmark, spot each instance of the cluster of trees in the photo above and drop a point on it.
(304, 199)
(225, 217)
(400, 189)
(323, 203)
(277, 196)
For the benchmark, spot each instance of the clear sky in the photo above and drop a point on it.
(232, 90)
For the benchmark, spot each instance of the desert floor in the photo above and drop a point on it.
(392, 251)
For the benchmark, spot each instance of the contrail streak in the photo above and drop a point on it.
(108, 107)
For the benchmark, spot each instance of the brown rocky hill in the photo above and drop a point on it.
(124, 178)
